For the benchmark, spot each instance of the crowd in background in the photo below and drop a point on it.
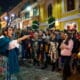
(50, 47)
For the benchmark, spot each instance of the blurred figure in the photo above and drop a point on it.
(40, 47)
(53, 50)
(66, 53)
(24, 45)
(35, 49)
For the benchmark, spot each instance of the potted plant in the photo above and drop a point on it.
(35, 25)
(51, 22)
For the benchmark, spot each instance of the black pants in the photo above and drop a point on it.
(47, 61)
(66, 67)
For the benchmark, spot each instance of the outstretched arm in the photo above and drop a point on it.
(23, 38)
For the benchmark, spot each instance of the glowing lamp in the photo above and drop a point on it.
(78, 55)
(6, 18)
(28, 8)
(56, 23)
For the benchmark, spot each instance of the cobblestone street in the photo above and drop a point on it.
(38, 74)
(30, 72)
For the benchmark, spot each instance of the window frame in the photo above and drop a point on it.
(49, 5)
(26, 15)
(64, 6)
(68, 5)
(37, 14)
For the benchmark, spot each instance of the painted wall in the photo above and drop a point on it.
(58, 12)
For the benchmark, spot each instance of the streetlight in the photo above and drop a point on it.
(12, 15)
(28, 8)
(6, 18)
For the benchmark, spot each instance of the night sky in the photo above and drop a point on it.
(8, 4)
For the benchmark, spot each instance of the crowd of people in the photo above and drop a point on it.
(50, 47)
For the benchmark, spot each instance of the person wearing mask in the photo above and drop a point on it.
(66, 53)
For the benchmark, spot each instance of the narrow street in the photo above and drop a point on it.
(39, 39)
(30, 72)
(38, 74)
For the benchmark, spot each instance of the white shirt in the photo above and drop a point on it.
(1, 36)
(13, 44)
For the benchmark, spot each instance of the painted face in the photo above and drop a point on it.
(10, 32)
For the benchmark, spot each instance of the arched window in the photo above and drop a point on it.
(49, 10)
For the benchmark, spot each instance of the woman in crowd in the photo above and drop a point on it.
(66, 53)
(13, 65)
(53, 50)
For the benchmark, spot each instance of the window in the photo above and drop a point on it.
(27, 15)
(49, 10)
(34, 0)
(70, 5)
(35, 11)
(79, 3)
(26, 5)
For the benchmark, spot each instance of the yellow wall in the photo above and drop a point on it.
(43, 15)
(58, 14)
(57, 9)
(62, 24)
(42, 11)
(65, 14)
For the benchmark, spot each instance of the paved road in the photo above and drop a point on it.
(38, 74)
(30, 72)
(33, 73)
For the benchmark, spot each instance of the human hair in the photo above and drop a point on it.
(5, 30)
(68, 38)
(0, 32)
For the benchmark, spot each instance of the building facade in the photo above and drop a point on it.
(8, 15)
(66, 13)
(30, 13)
